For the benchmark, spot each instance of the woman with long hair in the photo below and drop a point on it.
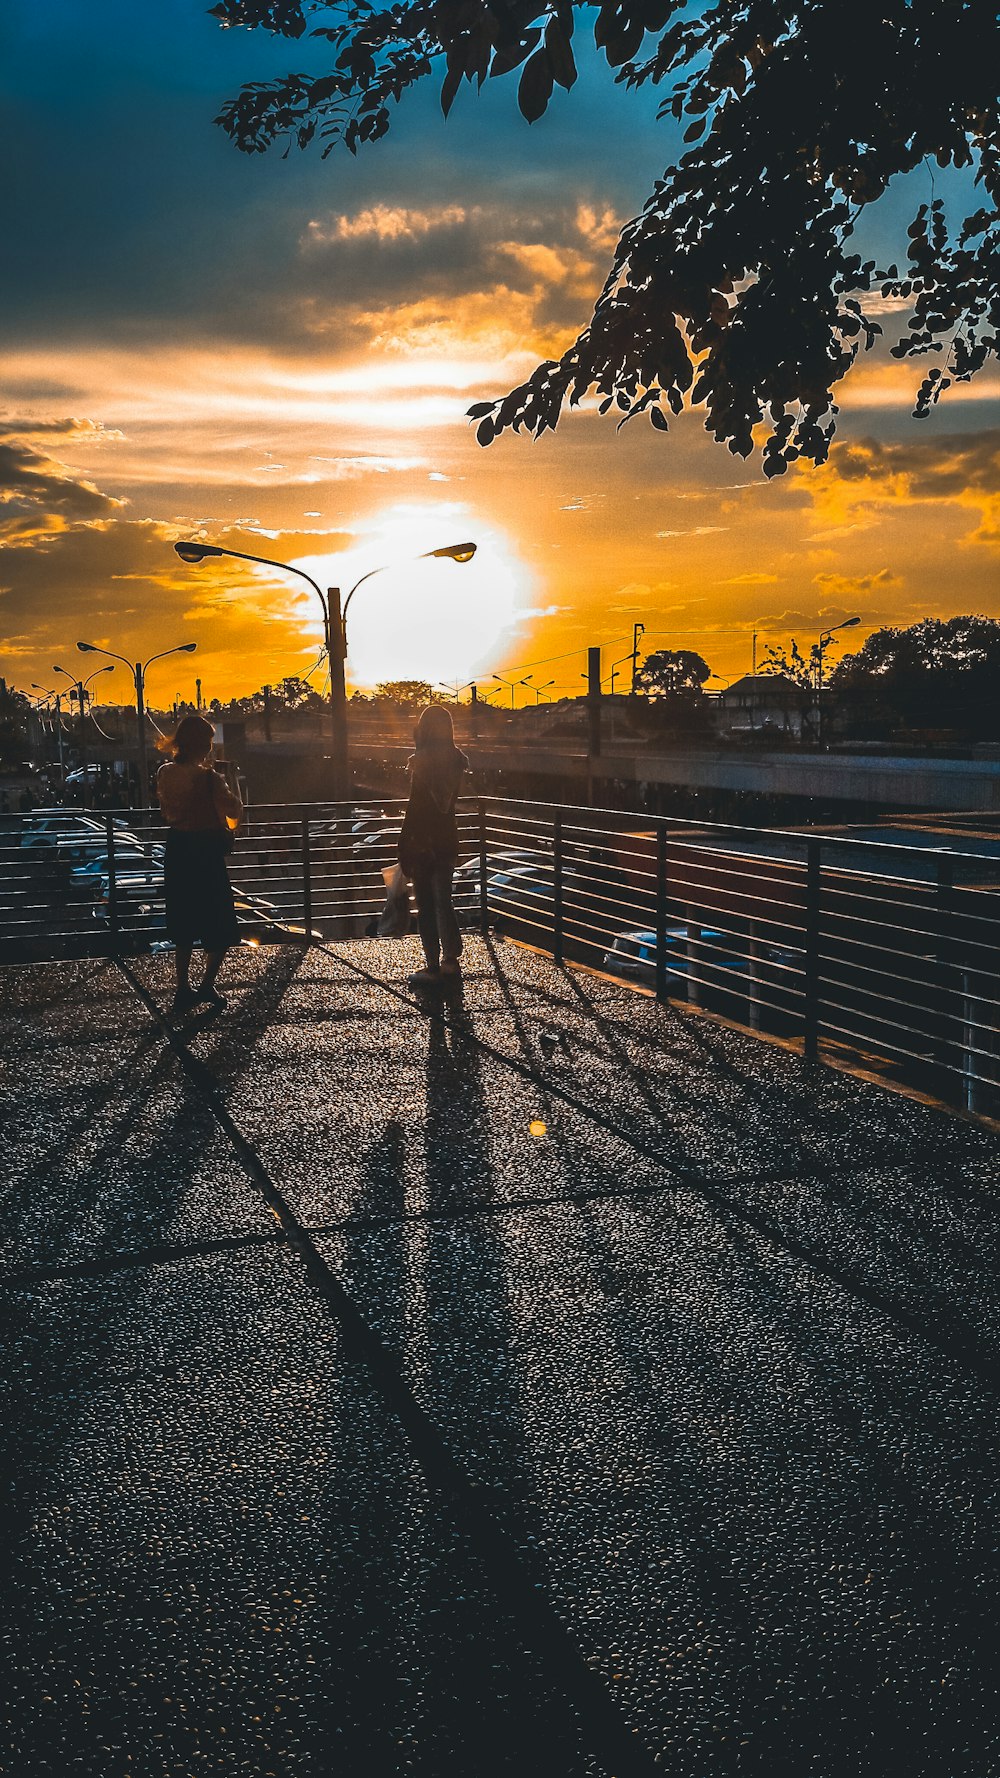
(201, 812)
(428, 843)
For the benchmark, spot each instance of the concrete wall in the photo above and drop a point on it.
(292, 774)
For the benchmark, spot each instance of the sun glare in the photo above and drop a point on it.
(433, 619)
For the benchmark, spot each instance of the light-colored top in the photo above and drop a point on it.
(196, 799)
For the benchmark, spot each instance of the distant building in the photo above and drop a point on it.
(764, 703)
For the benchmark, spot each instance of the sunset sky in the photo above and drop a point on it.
(277, 355)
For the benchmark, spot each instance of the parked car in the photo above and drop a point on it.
(92, 872)
(522, 899)
(719, 970)
(374, 842)
(45, 828)
(496, 862)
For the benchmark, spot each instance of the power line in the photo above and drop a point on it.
(611, 642)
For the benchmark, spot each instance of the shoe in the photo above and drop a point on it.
(424, 978)
(185, 1000)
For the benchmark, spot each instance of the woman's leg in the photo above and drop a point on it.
(213, 963)
(427, 917)
(447, 919)
(182, 964)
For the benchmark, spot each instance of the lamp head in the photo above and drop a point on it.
(187, 648)
(454, 552)
(849, 623)
(87, 648)
(196, 552)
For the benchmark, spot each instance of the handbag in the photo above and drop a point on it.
(394, 920)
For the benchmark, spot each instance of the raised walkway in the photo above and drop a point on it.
(549, 1384)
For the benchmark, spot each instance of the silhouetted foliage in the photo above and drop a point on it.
(670, 671)
(938, 674)
(411, 694)
(15, 710)
(791, 663)
(736, 288)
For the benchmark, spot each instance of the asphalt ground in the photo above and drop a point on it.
(538, 1381)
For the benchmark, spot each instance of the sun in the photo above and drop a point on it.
(434, 619)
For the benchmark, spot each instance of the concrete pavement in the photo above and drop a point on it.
(549, 1383)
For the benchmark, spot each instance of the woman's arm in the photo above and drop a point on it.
(228, 803)
(166, 790)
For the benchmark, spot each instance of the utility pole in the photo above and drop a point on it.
(637, 631)
(593, 714)
(336, 647)
(59, 739)
(197, 689)
(140, 712)
(81, 693)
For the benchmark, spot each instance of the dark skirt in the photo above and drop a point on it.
(198, 892)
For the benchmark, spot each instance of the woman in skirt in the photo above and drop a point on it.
(201, 812)
(428, 843)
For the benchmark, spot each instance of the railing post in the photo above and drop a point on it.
(754, 997)
(557, 891)
(810, 1024)
(693, 956)
(484, 895)
(661, 911)
(945, 973)
(307, 894)
(112, 886)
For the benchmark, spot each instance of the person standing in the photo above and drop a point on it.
(428, 843)
(202, 814)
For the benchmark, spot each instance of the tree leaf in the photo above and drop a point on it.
(560, 54)
(535, 87)
(450, 85)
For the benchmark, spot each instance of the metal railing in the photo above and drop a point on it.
(884, 955)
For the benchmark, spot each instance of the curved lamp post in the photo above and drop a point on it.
(849, 623)
(55, 697)
(80, 692)
(512, 683)
(334, 630)
(138, 670)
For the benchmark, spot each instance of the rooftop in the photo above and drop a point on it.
(549, 1382)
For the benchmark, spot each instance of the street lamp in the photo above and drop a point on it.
(512, 683)
(138, 670)
(849, 623)
(80, 691)
(56, 697)
(334, 629)
(633, 655)
(538, 690)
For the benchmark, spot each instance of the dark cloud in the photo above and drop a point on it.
(934, 468)
(25, 427)
(39, 498)
(132, 211)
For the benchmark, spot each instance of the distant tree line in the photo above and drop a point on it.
(939, 675)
